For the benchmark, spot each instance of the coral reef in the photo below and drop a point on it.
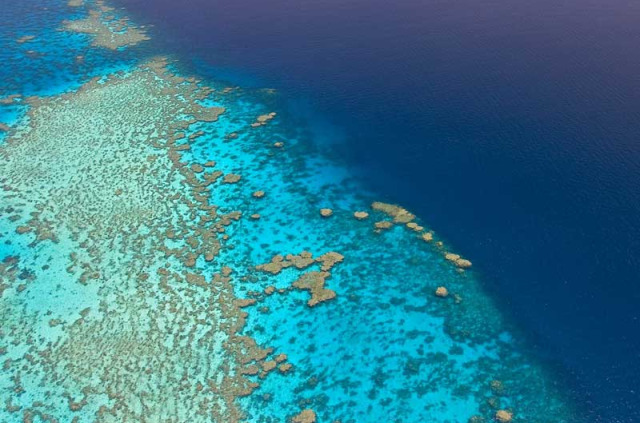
(457, 260)
(361, 215)
(106, 31)
(305, 416)
(504, 416)
(326, 212)
(151, 331)
(314, 283)
(441, 291)
(399, 214)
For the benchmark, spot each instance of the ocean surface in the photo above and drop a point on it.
(164, 256)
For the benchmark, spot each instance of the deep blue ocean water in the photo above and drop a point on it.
(511, 126)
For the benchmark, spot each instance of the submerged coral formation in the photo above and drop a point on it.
(457, 260)
(504, 416)
(313, 281)
(150, 340)
(360, 215)
(441, 291)
(305, 416)
(326, 212)
(399, 214)
(106, 31)
(25, 39)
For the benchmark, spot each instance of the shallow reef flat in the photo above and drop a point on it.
(175, 248)
(156, 339)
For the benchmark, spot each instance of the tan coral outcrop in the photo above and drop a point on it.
(107, 32)
(385, 224)
(326, 212)
(279, 262)
(457, 260)
(361, 215)
(263, 119)
(231, 178)
(399, 214)
(329, 260)
(285, 367)
(451, 256)
(305, 416)
(414, 227)
(267, 366)
(442, 292)
(314, 283)
(504, 416)
(463, 263)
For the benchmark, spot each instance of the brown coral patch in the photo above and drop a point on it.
(415, 227)
(231, 178)
(314, 283)
(263, 119)
(457, 260)
(326, 212)
(305, 416)
(385, 224)
(107, 32)
(399, 214)
(329, 260)
(285, 367)
(504, 416)
(300, 261)
(361, 215)
(278, 262)
(267, 366)
(442, 292)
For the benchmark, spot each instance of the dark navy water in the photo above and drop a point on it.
(511, 126)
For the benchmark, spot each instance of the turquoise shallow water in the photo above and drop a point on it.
(118, 292)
